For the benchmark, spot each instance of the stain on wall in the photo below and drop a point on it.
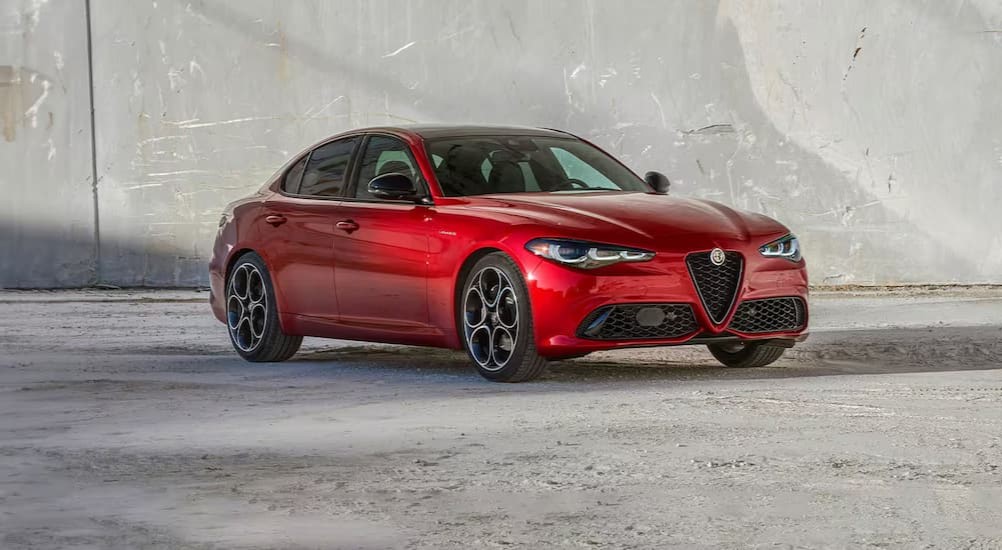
(869, 128)
(47, 207)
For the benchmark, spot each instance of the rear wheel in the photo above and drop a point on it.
(252, 316)
(746, 354)
(495, 321)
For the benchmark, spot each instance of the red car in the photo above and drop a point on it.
(518, 245)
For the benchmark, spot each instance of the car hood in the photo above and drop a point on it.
(636, 219)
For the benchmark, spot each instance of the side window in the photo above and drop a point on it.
(384, 155)
(578, 169)
(292, 178)
(485, 168)
(326, 171)
(531, 185)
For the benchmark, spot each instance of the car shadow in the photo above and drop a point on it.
(830, 353)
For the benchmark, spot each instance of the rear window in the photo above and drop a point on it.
(292, 178)
(327, 169)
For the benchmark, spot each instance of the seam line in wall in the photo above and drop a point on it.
(93, 150)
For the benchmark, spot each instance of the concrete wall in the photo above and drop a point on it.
(871, 128)
(46, 199)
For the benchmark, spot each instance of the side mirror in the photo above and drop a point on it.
(393, 186)
(658, 181)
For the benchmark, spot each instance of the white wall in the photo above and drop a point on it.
(46, 199)
(879, 147)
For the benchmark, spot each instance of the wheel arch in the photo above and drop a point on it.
(464, 270)
(234, 256)
(232, 261)
(529, 364)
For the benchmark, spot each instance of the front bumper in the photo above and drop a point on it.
(564, 300)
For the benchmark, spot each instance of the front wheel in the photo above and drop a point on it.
(746, 354)
(495, 321)
(252, 313)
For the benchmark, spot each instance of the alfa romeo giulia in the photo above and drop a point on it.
(518, 245)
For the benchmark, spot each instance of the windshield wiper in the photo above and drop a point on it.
(587, 188)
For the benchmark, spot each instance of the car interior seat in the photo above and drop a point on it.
(396, 167)
(461, 173)
(506, 177)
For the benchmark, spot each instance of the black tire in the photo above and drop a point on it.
(746, 355)
(519, 362)
(252, 318)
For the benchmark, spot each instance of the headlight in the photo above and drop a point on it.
(788, 247)
(584, 254)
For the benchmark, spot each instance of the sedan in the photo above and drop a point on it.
(518, 245)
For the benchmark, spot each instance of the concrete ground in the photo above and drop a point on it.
(126, 421)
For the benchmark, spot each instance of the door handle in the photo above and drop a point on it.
(347, 225)
(275, 220)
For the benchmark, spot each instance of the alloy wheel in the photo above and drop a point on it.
(246, 307)
(490, 318)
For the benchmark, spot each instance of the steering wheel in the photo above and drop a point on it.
(570, 184)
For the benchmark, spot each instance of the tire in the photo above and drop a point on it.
(494, 320)
(746, 355)
(252, 315)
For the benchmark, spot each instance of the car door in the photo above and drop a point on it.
(381, 246)
(297, 229)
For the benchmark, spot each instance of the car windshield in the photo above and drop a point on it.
(480, 165)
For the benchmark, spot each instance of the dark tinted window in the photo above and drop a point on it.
(326, 172)
(521, 164)
(291, 182)
(384, 155)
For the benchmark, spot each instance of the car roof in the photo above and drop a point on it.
(432, 131)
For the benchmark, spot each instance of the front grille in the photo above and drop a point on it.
(717, 285)
(639, 322)
(769, 315)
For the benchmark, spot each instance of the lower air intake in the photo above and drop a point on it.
(639, 322)
(769, 315)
